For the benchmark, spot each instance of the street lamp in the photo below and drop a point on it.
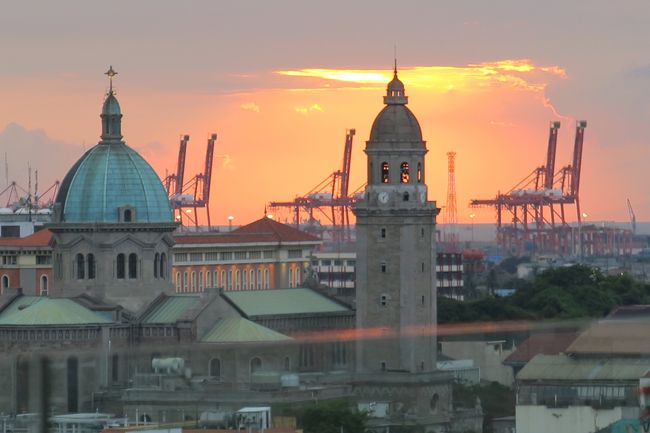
(230, 218)
(471, 217)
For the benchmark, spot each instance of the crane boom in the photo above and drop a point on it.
(347, 159)
(577, 157)
(207, 172)
(180, 169)
(550, 156)
(632, 216)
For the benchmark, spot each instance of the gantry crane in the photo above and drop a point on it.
(187, 197)
(537, 203)
(330, 198)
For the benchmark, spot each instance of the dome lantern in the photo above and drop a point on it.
(111, 114)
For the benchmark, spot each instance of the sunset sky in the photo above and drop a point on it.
(281, 81)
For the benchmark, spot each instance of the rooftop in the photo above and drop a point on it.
(548, 343)
(40, 238)
(171, 309)
(283, 301)
(37, 310)
(263, 230)
(620, 337)
(563, 367)
(240, 330)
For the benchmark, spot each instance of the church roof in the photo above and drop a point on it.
(263, 230)
(563, 367)
(39, 311)
(241, 330)
(171, 309)
(283, 301)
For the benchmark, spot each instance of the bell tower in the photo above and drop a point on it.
(396, 287)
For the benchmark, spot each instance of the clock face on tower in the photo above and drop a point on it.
(383, 197)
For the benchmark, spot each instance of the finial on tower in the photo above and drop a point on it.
(395, 58)
(110, 73)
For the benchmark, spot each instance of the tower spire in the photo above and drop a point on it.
(395, 58)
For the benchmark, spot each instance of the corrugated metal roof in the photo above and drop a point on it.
(34, 310)
(240, 330)
(614, 337)
(283, 301)
(171, 309)
(563, 367)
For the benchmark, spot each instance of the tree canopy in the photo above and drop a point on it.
(557, 293)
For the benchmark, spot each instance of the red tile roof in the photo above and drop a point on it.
(262, 230)
(548, 343)
(40, 238)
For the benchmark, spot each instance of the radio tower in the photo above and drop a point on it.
(451, 214)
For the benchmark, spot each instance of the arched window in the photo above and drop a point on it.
(81, 267)
(44, 285)
(214, 368)
(193, 288)
(22, 384)
(287, 363)
(290, 278)
(208, 279)
(163, 266)
(92, 266)
(404, 175)
(121, 266)
(385, 172)
(419, 172)
(237, 280)
(200, 281)
(406, 196)
(178, 282)
(256, 365)
(185, 281)
(244, 280)
(229, 280)
(128, 216)
(266, 279)
(259, 278)
(5, 282)
(222, 282)
(155, 265)
(296, 277)
(133, 265)
(252, 279)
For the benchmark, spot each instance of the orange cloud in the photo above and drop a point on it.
(250, 106)
(307, 110)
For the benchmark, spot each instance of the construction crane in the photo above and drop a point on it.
(632, 216)
(330, 198)
(451, 214)
(537, 203)
(186, 197)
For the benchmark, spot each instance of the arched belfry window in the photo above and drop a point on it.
(81, 267)
(214, 367)
(133, 265)
(121, 266)
(419, 172)
(385, 172)
(404, 172)
(90, 258)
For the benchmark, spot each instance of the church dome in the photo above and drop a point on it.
(395, 123)
(110, 178)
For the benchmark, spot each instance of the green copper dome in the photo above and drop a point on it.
(110, 178)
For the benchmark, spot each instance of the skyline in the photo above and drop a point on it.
(281, 108)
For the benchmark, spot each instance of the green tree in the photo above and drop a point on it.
(333, 417)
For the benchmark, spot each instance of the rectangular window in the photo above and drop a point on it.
(268, 254)
(211, 256)
(43, 259)
(180, 257)
(326, 263)
(196, 257)
(255, 255)
(352, 263)
(338, 262)
(383, 300)
(240, 255)
(295, 254)
(383, 233)
(227, 255)
(383, 267)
